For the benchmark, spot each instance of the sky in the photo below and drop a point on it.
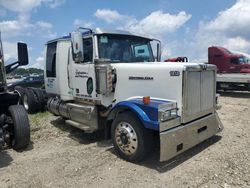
(185, 27)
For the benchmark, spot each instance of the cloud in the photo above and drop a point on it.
(159, 23)
(10, 25)
(44, 25)
(23, 27)
(28, 5)
(54, 3)
(234, 21)
(10, 50)
(2, 13)
(110, 16)
(20, 6)
(230, 29)
(80, 23)
(156, 24)
(238, 43)
(39, 63)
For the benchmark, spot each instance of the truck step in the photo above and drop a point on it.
(81, 126)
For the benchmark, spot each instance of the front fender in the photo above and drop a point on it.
(138, 111)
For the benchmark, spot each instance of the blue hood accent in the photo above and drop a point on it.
(147, 113)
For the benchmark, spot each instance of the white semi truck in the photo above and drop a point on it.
(111, 81)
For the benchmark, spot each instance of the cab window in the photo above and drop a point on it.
(141, 51)
(88, 49)
(234, 61)
(51, 60)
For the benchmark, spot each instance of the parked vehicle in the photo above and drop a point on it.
(233, 69)
(14, 122)
(228, 62)
(33, 99)
(111, 81)
(177, 59)
(29, 81)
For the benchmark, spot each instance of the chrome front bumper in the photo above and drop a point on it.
(179, 139)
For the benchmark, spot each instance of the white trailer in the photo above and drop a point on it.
(111, 81)
(233, 81)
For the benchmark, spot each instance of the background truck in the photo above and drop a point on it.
(36, 81)
(233, 69)
(32, 93)
(14, 122)
(111, 81)
(177, 59)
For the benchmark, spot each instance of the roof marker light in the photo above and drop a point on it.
(146, 99)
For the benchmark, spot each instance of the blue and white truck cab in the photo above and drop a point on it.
(111, 80)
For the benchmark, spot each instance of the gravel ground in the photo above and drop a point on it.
(63, 156)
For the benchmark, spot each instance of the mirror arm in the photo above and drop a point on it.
(9, 68)
(158, 49)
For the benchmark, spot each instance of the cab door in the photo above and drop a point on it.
(82, 74)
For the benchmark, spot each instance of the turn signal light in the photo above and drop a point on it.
(146, 100)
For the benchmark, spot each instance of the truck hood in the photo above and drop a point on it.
(155, 79)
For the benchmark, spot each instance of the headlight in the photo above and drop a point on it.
(167, 111)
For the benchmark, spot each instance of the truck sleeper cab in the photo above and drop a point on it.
(111, 80)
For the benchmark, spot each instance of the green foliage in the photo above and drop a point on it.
(22, 71)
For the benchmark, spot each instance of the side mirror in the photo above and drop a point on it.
(22, 58)
(77, 46)
(22, 54)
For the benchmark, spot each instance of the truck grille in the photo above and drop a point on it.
(199, 85)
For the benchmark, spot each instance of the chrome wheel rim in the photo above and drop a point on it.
(25, 102)
(126, 138)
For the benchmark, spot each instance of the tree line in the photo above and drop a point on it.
(22, 71)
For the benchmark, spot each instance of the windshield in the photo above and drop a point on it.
(243, 60)
(124, 48)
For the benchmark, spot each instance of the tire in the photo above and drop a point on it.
(40, 98)
(21, 127)
(45, 98)
(131, 140)
(21, 91)
(30, 101)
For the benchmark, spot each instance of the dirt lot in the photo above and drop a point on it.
(62, 156)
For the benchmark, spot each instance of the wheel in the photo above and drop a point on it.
(21, 127)
(30, 101)
(131, 140)
(21, 91)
